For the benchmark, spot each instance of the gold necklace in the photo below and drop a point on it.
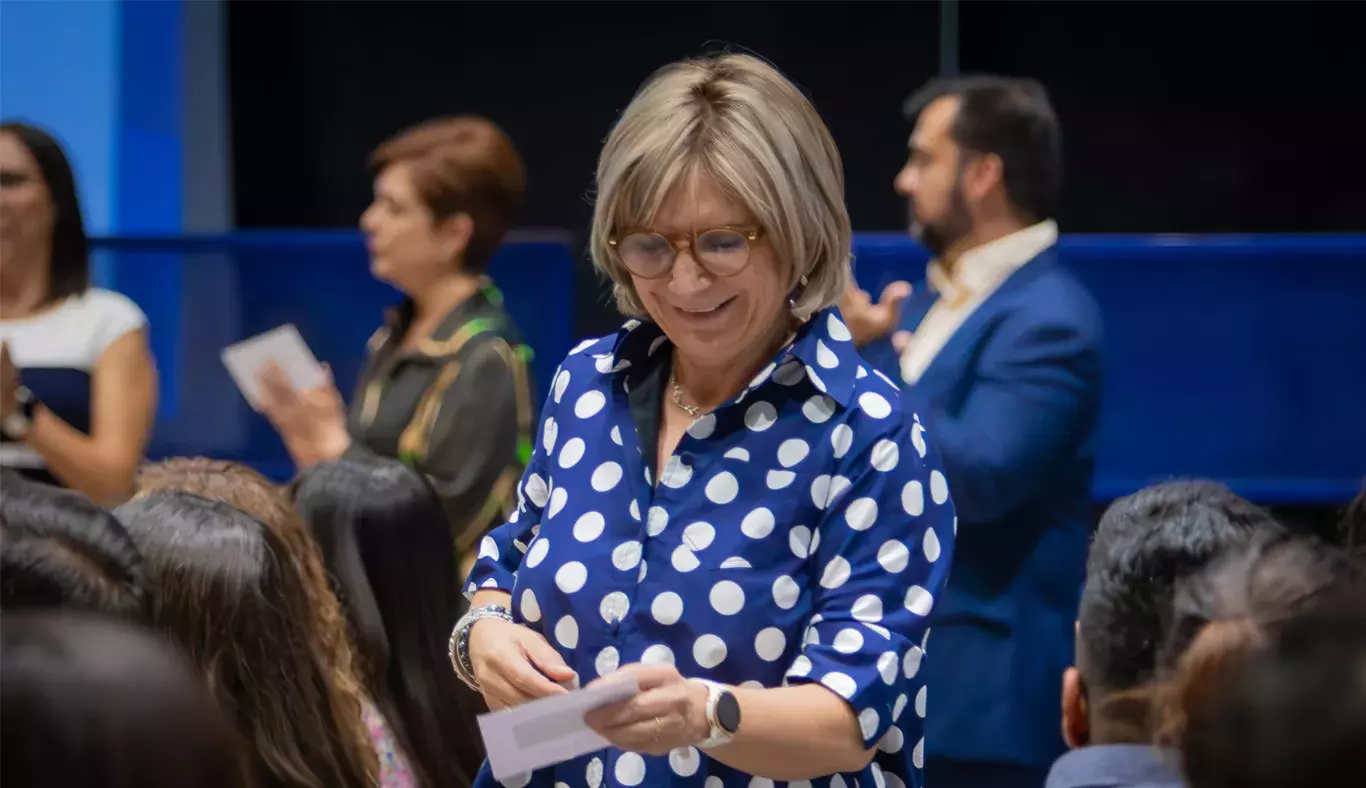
(692, 410)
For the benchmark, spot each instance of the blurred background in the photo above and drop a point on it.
(1215, 199)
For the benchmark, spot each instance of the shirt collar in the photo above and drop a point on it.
(1116, 766)
(980, 268)
(822, 349)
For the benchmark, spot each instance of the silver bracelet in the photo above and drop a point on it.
(459, 646)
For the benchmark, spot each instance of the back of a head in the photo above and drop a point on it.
(230, 596)
(1145, 544)
(60, 550)
(1011, 118)
(1232, 617)
(88, 702)
(387, 542)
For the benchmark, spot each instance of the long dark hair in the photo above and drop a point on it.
(69, 270)
(232, 597)
(389, 548)
(89, 702)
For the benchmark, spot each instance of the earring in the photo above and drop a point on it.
(796, 293)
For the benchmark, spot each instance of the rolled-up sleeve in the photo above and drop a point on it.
(883, 556)
(502, 549)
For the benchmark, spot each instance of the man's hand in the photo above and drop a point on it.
(869, 321)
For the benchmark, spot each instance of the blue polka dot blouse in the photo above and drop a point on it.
(800, 533)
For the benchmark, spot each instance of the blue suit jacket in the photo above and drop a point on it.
(1011, 404)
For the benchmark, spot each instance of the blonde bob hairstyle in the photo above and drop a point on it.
(737, 121)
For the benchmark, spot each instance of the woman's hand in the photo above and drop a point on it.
(9, 383)
(514, 664)
(669, 712)
(311, 423)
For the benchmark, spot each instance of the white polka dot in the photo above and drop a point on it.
(919, 601)
(656, 344)
(667, 608)
(838, 486)
(727, 598)
(885, 455)
(571, 453)
(955, 525)
(893, 555)
(778, 480)
(886, 667)
(899, 707)
(841, 438)
(684, 560)
(910, 664)
(558, 499)
(770, 643)
(590, 402)
(840, 683)
(626, 556)
(913, 498)
(561, 383)
(867, 723)
(875, 405)
(889, 381)
(860, 514)
(655, 521)
(714, 782)
(699, 536)
(516, 780)
(614, 607)
(861, 374)
(722, 488)
(760, 782)
(634, 510)
(918, 754)
(549, 433)
(867, 608)
(878, 629)
(582, 346)
(536, 491)
(606, 476)
(567, 632)
(658, 654)
(892, 742)
(801, 666)
(571, 577)
(685, 761)
(838, 782)
(594, 775)
(760, 416)
(789, 374)
(536, 554)
(815, 379)
(918, 440)
(531, 609)
(703, 427)
(836, 329)
(799, 539)
(931, 545)
(786, 592)
(589, 527)
(676, 473)
(939, 487)
(609, 659)
(825, 356)
(762, 376)
(819, 409)
(848, 641)
(492, 582)
(820, 491)
(836, 573)
(920, 702)
(758, 523)
(793, 451)
(737, 454)
(709, 651)
(630, 769)
(603, 363)
(640, 576)
(488, 548)
(736, 562)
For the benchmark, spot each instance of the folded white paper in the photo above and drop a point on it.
(548, 731)
(247, 359)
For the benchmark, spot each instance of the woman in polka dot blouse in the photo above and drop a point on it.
(724, 501)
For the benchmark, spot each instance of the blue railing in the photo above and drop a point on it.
(1241, 358)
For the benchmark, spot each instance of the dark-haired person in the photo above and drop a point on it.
(1001, 358)
(1145, 545)
(61, 551)
(78, 386)
(384, 538)
(94, 703)
(445, 387)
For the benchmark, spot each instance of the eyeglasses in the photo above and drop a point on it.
(721, 251)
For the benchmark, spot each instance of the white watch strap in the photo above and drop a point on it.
(718, 735)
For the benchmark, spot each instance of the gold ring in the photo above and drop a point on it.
(658, 729)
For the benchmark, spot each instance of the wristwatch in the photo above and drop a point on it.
(723, 714)
(17, 424)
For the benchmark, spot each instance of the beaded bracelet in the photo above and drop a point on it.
(458, 649)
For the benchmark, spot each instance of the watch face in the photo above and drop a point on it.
(728, 712)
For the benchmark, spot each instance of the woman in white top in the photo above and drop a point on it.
(77, 381)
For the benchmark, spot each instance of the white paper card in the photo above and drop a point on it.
(548, 731)
(247, 359)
